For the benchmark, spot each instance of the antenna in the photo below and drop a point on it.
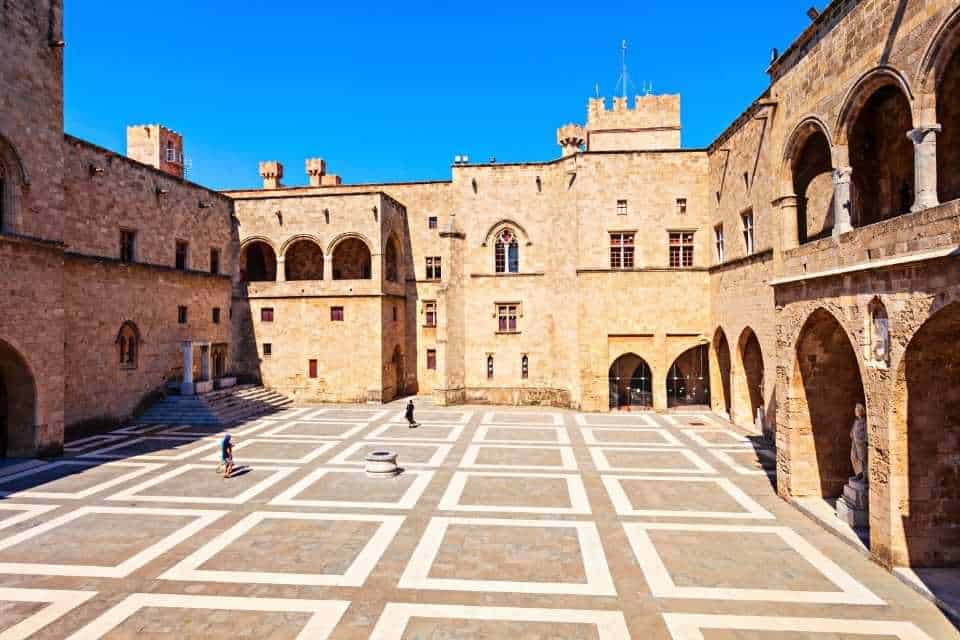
(187, 166)
(623, 84)
(596, 89)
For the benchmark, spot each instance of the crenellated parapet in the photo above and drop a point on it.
(571, 138)
(653, 122)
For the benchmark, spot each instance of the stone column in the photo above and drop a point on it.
(328, 267)
(186, 388)
(205, 362)
(842, 222)
(281, 269)
(924, 140)
(790, 238)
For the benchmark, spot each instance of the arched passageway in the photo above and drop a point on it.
(948, 116)
(825, 387)
(813, 185)
(926, 414)
(258, 262)
(17, 404)
(751, 362)
(630, 383)
(688, 380)
(303, 260)
(351, 260)
(721, 351)
(395, 375)
(881, 157)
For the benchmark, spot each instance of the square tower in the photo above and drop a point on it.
(157, 146)
(652, 124)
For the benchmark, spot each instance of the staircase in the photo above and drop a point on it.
(217, 408)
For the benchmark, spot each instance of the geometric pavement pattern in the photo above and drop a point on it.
(507, 522)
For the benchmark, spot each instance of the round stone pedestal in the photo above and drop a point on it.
(381, 464)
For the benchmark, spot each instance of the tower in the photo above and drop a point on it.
(157, 146)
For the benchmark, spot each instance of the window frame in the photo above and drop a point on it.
(506, 254)
(430, 313)
(215, 260)
(682, 206)
(433, 223)
(185, 245)
(683, 248)
(490, 366)
(336, 311)
(216, 315)
(623, 207)
(524, 367)
(504, 312)
(433, 271)
(622, 249)
(266, 314)
(312, 368)
(431, 359)
(718, 243)
(183, 314)
(267, 349)
(127, 255)
(748, 229)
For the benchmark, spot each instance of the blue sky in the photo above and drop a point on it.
(392, 91)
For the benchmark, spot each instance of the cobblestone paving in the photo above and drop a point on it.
(506, 523)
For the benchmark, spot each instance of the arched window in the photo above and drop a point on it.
(525, 368)
(506, 256)
(351, 260)
(128, 345)
(489, 367)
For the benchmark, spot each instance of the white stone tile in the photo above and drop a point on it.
(667, 439)
(312, 450)
(407, 501)
(602, 463)
(624, 507)
(216, 432)
(662, 584)
(454, 431)
(135, 493)
(734, 439)
(110, 453)
(24, 512)
(621, 420)
(396, 616)
(202, 518)
(691, 626)
(482, 434)
(576, 491)
(280, 430)
(326, 613)
(568, 462)
(59, 602)
(344, 414)
(441, 451)
(599, 582)
(726, 457)
(355, 575)
(434, 416)
(528, 418)
(90, 442)
(136, 469)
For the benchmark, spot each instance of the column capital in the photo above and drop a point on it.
(918, 134)
(790, 200)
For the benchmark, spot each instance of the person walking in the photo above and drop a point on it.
(226, 456)
(409, 414)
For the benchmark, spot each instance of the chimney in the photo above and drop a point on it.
(272, 172)
(316, 169)
(570, 137)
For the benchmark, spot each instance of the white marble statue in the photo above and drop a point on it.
(858, 437)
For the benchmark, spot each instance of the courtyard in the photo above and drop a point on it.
(506, 522)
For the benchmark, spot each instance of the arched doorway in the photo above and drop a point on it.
(812, 169)
(303, 260)
(926, 413)
(688, 380)
(751, 364)
(258, 262)
(948, 116)
(721, 352)
(881, 157)
(17, 404)
(630, 383)
(826, 386)
(396, 369)
(351, 260)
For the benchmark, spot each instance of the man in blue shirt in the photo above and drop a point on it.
(226, 456)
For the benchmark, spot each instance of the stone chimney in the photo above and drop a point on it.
(570, 137)
(316, 169)
(272, 173)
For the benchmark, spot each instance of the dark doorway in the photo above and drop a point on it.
(630, 383)
(688, 380)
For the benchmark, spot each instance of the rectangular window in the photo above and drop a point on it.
(394, 313)
(433, 268)
(216, 315)
(336, 314)
(681, 205)
(506, 318)
(266, 314)
(432, 222)
(182, 247)
(312, 365)
(718, 242)
(182, 314)
(747, 217)
(621, 207)
(127, 243)
(215, 261)
(621, 250)
(267, 349)
(429, 313)
(681, 249)
(431, 359)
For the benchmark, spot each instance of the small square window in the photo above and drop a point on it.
(312, 368)
(431, 359)
(432, 222)
(182, 248)
(215, 261)
(621, 207)
(266, 314)
(267, 349)
(681, 206)
(127, 243)
(182, 314)
(336, 314)
(216, 315)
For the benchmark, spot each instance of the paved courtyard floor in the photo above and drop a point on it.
(507, 523)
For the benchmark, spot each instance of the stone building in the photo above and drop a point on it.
(806, 261)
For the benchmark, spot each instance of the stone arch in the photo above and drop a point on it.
(392, 259)
(939, 51)
(352, 257)
(688, 379)
(18, 404)
(825, 385)
(808, 164)
(721, 371)
(939, 79)
(128, 343)
(630, 381)
(924, 432)
(500, 225)
(258, 260)
(873, 127)
(302, 259)
(749, 392)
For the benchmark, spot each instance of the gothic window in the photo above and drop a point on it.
(718, 242)
(507, 252)
(621, 250)
(128, 341)
(524, 368)
(489, 367)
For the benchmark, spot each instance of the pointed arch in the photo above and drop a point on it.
(503, 223)
(258, 260)
(750, 382)
(720, 370)
(861, 91)
(352, 257)
(18, 404)
(302, 258)
(392, 259)
(942, 46)
(807, 168)
(630, 381)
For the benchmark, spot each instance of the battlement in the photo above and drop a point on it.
(652, 123)
(570, 137)
(157, 146)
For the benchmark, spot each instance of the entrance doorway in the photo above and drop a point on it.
(631, 383)
(17, 404)
(688, 381)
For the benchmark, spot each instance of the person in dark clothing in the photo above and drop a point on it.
(409, 415)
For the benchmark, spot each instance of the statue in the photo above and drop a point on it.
(858, 437)
(880, 336)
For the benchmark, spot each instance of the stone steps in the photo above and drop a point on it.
(223, 408)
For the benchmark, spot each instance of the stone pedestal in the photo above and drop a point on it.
(853, 507)
(381, 464)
